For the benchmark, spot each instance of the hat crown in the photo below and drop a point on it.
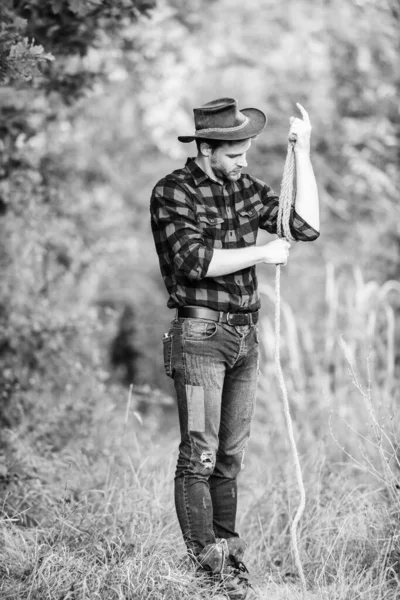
(219, 113)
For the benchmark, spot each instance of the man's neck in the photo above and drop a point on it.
(204, 165)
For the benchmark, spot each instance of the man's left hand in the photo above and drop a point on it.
(300, 129)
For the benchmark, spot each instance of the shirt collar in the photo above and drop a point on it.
(197, 174)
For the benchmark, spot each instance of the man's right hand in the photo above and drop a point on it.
(276, 252)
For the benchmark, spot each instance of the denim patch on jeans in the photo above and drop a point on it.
(215, 371)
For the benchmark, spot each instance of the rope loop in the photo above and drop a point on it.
(288, 193)
(286, 201)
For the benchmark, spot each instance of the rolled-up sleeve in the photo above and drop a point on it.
(176, 231)
(299, 228)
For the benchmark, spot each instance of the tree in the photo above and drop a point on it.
(44, 45)
(32, 32)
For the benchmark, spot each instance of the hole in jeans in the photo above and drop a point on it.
(207, 459)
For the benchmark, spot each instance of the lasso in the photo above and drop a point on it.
(283, 229)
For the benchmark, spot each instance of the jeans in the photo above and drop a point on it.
(215, 371)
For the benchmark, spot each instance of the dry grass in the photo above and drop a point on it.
(103, 518)
(98, 521)
(87, 490)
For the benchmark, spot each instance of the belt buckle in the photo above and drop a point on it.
(241, 319)
(228, 317)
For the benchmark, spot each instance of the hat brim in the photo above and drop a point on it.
(257, 122)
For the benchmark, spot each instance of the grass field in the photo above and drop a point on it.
(95, 518)
(87, 479)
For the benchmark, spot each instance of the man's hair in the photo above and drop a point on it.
(214, 144)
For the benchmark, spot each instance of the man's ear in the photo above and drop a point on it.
(205, 149)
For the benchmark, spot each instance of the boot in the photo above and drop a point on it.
(224, 560)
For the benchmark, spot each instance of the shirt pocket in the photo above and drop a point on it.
(248, 224)
(212, 226)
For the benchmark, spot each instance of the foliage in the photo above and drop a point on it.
(36, 328)
(65, 27)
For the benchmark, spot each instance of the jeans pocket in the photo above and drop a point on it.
(199, 329)
(167, 350)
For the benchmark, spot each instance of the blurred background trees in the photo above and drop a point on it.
(93, 96)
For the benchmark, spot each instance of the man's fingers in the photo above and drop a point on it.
(303, 111)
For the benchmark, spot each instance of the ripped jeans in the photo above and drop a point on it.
(215, 371)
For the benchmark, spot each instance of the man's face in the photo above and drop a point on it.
(228, 160)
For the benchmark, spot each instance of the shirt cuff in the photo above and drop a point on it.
(301, 230)
(205, 263)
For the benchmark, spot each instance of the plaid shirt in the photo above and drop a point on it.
(191, 215)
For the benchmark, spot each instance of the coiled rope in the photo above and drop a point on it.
(286, 201)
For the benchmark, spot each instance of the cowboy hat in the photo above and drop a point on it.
(222, 120)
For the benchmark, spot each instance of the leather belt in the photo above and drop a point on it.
(200, 312)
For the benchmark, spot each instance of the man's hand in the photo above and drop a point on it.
(300, 129)
(276, 252)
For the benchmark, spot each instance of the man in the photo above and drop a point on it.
(205, 219)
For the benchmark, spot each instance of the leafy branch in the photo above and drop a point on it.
(25, 58)
(35, 32)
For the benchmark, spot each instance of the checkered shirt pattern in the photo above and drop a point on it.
(192, 214)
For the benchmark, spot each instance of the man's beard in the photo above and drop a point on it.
(222, 173)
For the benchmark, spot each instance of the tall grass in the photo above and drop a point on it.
(102, 512)
(342, 387)
(87, 481)
(354, 331)
(363, 313)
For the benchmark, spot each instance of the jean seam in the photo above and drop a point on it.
(241, 352)
(185, 377)
(189, 534)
